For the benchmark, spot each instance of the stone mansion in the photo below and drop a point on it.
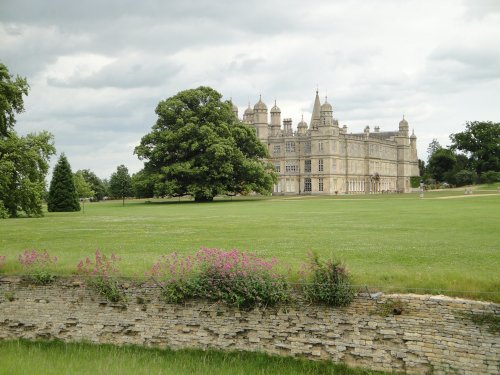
(322, 158)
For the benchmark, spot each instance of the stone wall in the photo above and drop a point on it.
(408, 333)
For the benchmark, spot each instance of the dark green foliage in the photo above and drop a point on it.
(143, 184)
(421, 167)
(23, 160)
(95, 183)
(120, 183)
(11, 99)
(465, 177)
(106, 287)
(441, 164)
(62, 192)
(481, 141)
(327, 282)
(415, 181)
(198, 147)
(490, 177)
(24, 163)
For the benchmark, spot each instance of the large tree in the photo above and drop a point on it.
(83, 188)
(95, 183)
(481, 142)
(24, 163)
(198, 147)
(23, 160)
(11, 99)
(63, 196)
(442, 164)
(120, 183)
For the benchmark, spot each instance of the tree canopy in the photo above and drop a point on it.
(198, 147)
(63, 196)
(83, 188)
(120, 183)
(24, 163)
(23, 160)
(11, 99)
(481, 142)
(96, 184)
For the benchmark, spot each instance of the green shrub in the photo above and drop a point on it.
(490, 177)
(415, 181)
(101, 276)
(327, 282)
(3, 211)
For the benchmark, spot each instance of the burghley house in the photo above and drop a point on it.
(323, 158)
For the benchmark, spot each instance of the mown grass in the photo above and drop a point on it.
(445, 243)
(42, 357)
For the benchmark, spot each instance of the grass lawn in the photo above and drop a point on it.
(446, 242)
(24, 357)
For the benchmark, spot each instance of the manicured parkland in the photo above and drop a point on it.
(446, 242)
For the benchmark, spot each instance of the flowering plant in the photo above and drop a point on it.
(238, 279)
(37, 265)
(102, 275)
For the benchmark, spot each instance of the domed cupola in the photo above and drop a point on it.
(275, 117)
(326, 114)
(260, 106)
(302, 126)
(403, 127)
(326, 107)
(275, 109)
(248, 115)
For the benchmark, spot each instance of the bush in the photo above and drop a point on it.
(415, 181)
(37, 266)
(327, 282)
(3, 211)
(465, 177)
(238, 279)
(102, 276)
(490, 177)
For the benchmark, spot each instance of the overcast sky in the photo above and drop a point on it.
(97, 69)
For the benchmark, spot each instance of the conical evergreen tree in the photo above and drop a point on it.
(62, 192)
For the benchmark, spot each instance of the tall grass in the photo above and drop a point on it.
(44, 358)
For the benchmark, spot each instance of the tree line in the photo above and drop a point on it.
(473, 157)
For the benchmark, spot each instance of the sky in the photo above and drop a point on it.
(98, 69)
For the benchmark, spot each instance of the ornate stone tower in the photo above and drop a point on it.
(275, 120)
(260, 120)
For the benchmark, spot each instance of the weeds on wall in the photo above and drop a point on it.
(236, 278)
(327, 282)
(102, 276)
(37, 266)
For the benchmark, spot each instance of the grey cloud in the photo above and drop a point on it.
(124, 73)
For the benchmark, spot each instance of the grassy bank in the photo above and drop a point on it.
(446, 242)
(24, 357)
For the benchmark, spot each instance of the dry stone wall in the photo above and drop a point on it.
(406, 333)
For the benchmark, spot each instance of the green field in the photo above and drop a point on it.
(24, 357)
(445, 243)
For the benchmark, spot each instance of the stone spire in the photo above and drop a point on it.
(315, 117)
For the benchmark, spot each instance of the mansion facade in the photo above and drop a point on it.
(322, 158)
